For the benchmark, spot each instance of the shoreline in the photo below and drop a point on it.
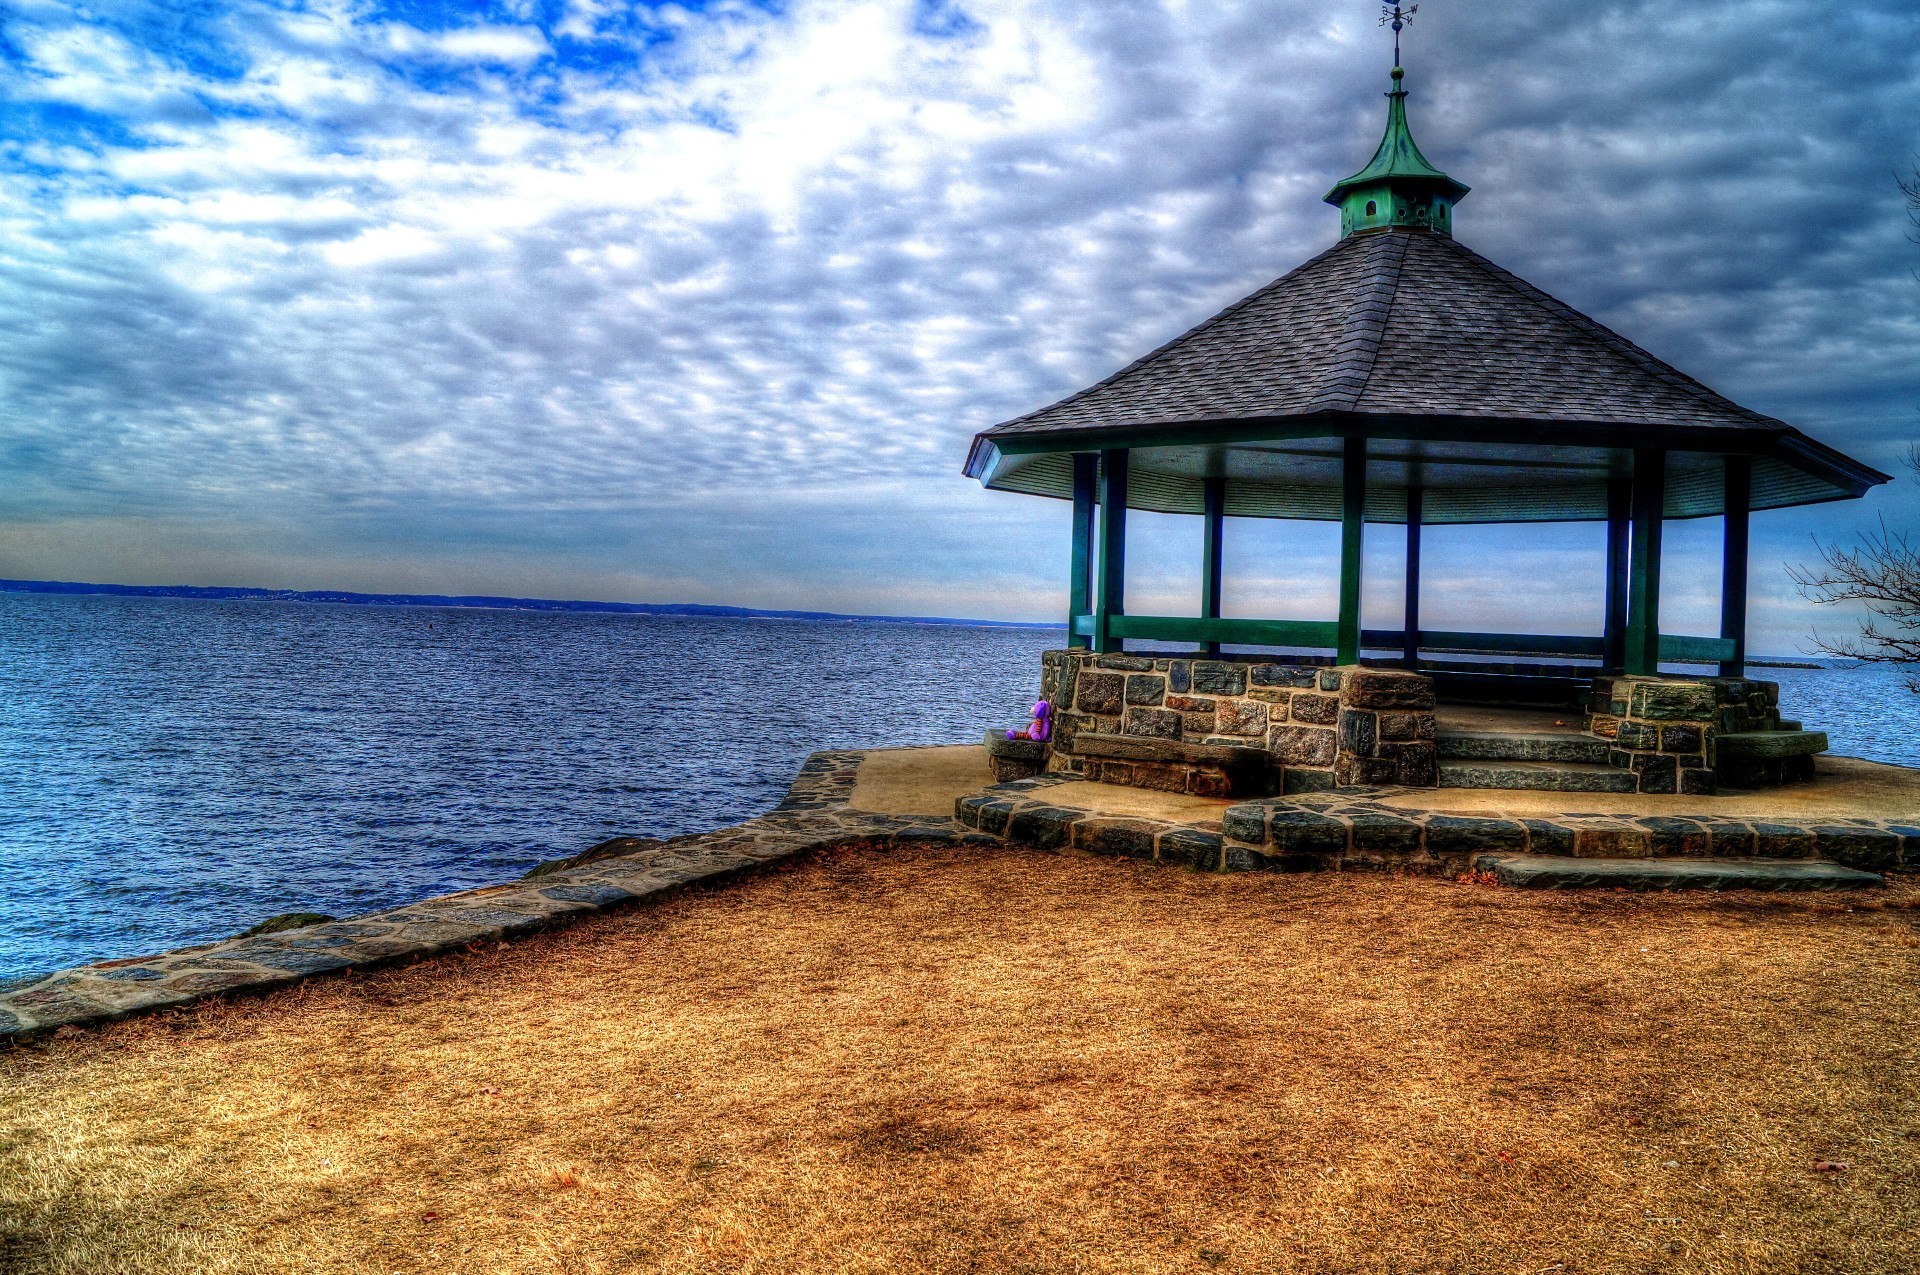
(815, 815)
(820, 811)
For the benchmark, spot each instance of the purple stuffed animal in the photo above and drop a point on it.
(1040, 727)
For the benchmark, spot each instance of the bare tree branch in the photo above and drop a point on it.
(1881, 572)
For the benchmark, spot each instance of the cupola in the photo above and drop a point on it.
(1398, 189)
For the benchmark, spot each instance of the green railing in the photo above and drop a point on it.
(1319, 634)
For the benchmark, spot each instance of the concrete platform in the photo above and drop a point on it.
(919, 781)
(1550, 872)
(1842, 788)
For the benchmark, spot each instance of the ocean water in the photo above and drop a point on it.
(172, 771)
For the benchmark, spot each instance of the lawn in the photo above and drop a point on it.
(950, 1060)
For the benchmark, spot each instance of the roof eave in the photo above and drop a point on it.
(1753, 440)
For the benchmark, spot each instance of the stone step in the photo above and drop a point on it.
(1538, 776)
(1555, 872)
(1515, 746)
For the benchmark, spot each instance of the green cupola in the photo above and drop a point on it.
(1399, 188)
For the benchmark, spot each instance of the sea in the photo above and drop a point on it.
(175, 770)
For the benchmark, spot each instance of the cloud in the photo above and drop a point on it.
(342, 266)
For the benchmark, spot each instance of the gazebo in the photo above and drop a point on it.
(1401, 378)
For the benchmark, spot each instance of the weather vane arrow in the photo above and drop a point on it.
(1396, 17)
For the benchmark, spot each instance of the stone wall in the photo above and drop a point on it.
(1666, 729)
(1322, 726)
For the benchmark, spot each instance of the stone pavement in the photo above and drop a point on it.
(815, 815)
(1382, 828)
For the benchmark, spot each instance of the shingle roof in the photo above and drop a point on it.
(1400, 323)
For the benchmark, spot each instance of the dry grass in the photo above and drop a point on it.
(946, 1061)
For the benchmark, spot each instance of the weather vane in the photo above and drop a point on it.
(1396, 17)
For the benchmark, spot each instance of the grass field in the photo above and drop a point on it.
(951, 1061)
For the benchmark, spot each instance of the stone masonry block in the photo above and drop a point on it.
(1287, 676)
(1632, 734)
(1246, 822)
(1146, 689)
(1153, 723)
(1385, 834)
(1242, 717)
(1316, 710)
(1867, 849)
(1406, 726)
(1126, 663)
(1306, 832)
(1674, 701)
(1355, 770)
(1215, 678)
(1275, 700)
(1127, 838)
(1655, 773)
(1359, 732)
(1302, 745)
(1413, 764)
(1385, 688)
(1681, 739)
(1180, 676)
(1472, 834)
(1101, 694)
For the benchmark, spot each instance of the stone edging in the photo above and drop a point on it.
(1354, 828)
(814, 816)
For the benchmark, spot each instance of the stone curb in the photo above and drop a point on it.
(1354, 828)
(814, 816)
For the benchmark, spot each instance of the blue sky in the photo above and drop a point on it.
(702, 302)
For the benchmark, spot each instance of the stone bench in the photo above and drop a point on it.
(1165, 765)
(1012, 759)
(1765, 758)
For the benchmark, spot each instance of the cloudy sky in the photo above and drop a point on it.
(702, 302)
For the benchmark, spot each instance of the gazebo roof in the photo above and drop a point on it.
(1499, 401)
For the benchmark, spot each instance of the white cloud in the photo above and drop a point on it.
(301, 265)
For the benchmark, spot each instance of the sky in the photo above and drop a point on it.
(703, 302)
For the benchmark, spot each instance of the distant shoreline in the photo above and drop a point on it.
(696, 610)
(208, 593)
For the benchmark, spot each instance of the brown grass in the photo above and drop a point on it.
(962, 1061)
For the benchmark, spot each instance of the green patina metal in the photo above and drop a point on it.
(1086, 474)
(1353, 509)
(1398, 187)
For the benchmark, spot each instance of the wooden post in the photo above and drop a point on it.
(1643, 600)
(1353, 509)
(1410, 639)
(1086, 471)
(1213, 494)
(1111, 596)
(1733, 563)
(1619, 527)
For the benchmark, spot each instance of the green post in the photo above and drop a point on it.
(1619, 528)
(1353, 509)
(1733, 563)
(1111, 597)
(1213, 495)
(1086, 470)
(1410, 623)
(1643, 590)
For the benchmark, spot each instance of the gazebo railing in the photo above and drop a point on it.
(1322, 634)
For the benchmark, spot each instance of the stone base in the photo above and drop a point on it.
(1199, 770)
(1012, 759)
